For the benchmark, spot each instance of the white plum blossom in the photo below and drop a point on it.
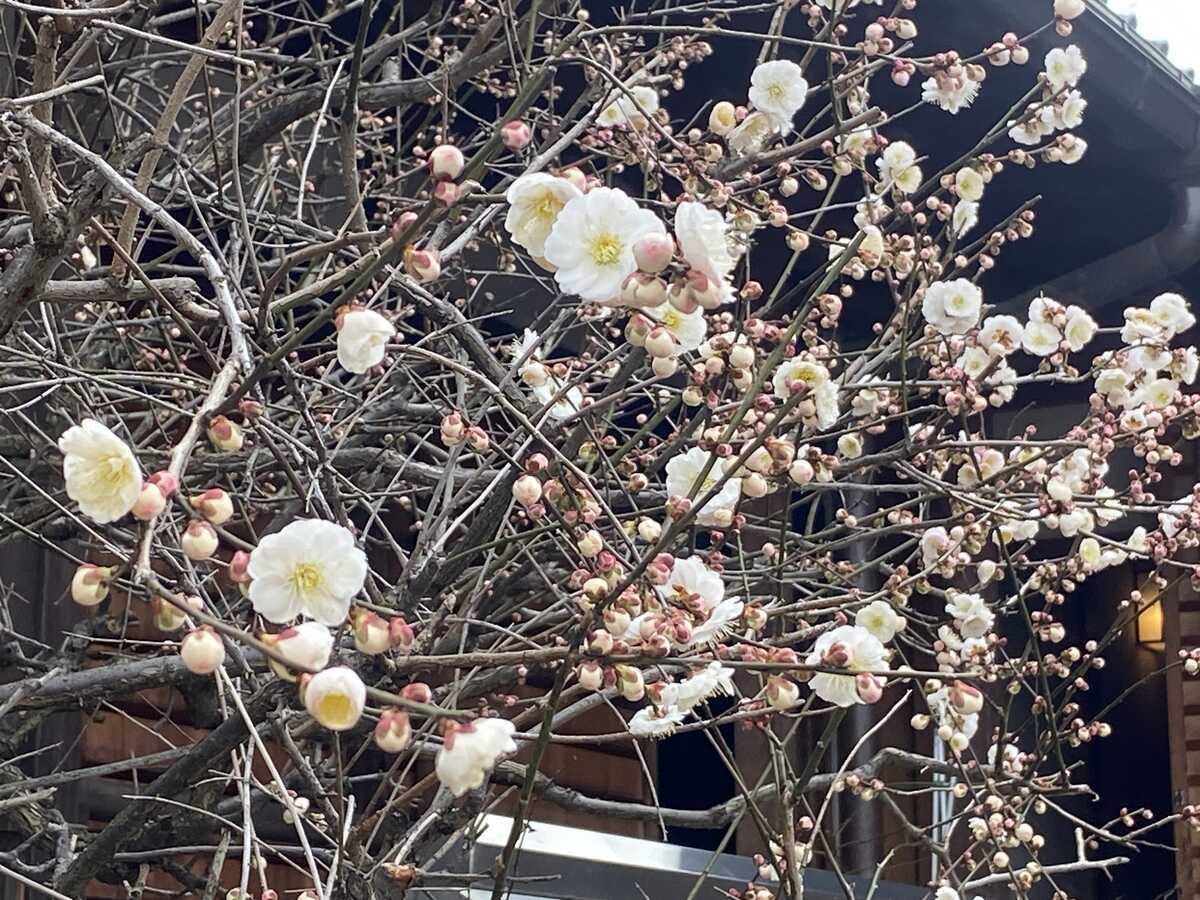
(310, 567)
(1069, 112)
(363, 336)
(1080, 328)
(965, 217)
(685, 477)
(101, 472)
(703, 242)
(898, 167)
(971, 614)
(1172, 314)
(687, 328)
(778, 89)
(472, 750)
(545, 385)
(712, 680)
(821, 393)
(952, 307)
(950, 94)
(591, 243)
(880, 619)
(751, 133)
(633, 109)
(692, 580)
(1040, 338)
(535, 201)
(720, 622)
(1005, 332)
(1064, 67)
(969, 183)
(656, 722)
(848, 647)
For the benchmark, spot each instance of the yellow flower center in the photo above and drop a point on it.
(335, 708)
(547, 207)
(114, 471)
(605, 249)
(671, 318)
(306, 578)
(776, 92)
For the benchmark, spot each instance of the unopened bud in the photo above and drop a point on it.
(215, 505)
(199, 541)
(202, 651)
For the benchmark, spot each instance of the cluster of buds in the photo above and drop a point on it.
(1008, 49)
(374, 634)
(454, 430)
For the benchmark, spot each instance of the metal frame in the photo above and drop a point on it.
(579, 864)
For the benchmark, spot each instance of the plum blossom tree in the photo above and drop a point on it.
(391, 357)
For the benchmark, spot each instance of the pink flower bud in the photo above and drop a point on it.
(225, 435)
(403, 223)
(869, 688)
(477, 439)
(1069, 9)
(653, 252)
(453, 428)
(166, 483)
(446, 193)
(401, 635)
(199, 541)
(149, 504)
(801, 471)
(250, 409)
(515, 135)
(393, 731)
(527, 490)
(446, 162)
(239, 565)
(417, 692)
(371, 633)
(202, 651)
(89, 584)
(423, 265)
(215, 505)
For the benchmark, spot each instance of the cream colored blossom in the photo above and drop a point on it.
(101, 472)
